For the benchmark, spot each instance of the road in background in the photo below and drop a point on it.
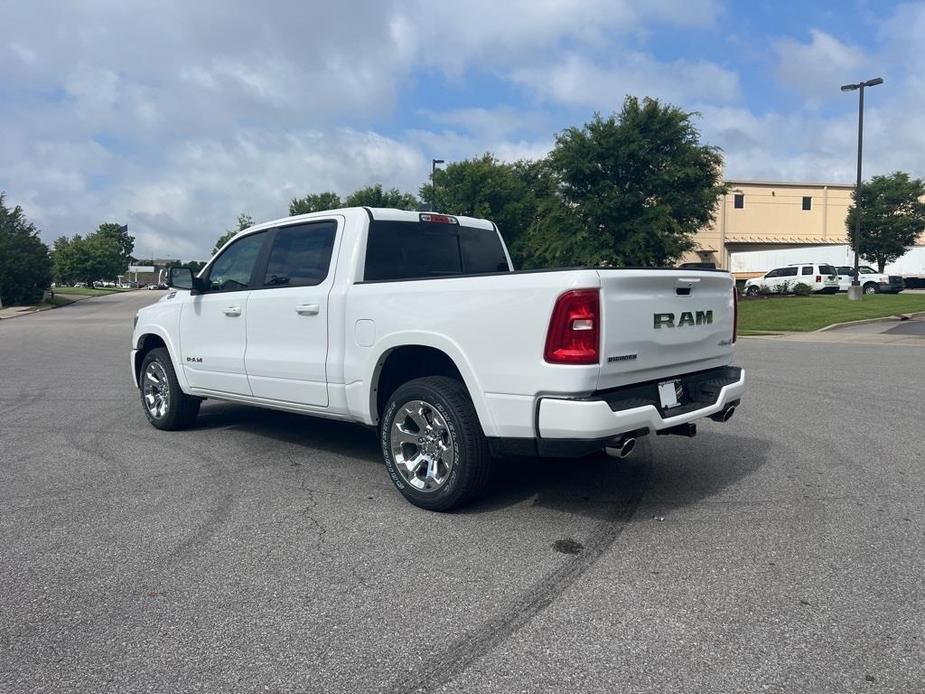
(262, 551)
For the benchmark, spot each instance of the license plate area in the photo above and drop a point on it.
(670, 394)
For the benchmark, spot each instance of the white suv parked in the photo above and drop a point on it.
(821, 279)
(872, 282)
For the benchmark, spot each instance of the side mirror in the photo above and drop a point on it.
(180, 278)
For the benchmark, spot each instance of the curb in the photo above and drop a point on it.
(894, 317)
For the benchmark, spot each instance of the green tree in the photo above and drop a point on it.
(119, 235)
(110, 249)
(631, 189)
(892, 216)
(25, 266)
(314, 202)
(375, 196)
(245, 221)
(507, 194)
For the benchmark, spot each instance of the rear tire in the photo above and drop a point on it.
(433, 445)
(165, 405)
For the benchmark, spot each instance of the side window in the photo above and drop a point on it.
(233, 268)
(788, 272)
(807, 270)
(773, 273)
(301, 255)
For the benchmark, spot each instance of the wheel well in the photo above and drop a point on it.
(145, 345)
(403, 364)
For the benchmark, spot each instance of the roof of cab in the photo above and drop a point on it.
(378, 213)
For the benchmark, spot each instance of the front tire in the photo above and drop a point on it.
(165, 405)
(433, 445)
(752, 291)
(870, 288)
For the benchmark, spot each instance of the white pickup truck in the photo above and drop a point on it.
(417, 324)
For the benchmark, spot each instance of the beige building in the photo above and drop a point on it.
(770, 215)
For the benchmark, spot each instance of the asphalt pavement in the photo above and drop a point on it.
(262, 551)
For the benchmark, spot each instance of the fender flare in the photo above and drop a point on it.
(172, 349)
(414, 338)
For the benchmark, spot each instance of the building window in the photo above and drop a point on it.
(739, 201)
(807, 202)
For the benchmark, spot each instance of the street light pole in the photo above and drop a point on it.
(433, 182)
(854, 291)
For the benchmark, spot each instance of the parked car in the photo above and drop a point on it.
(872, 282)
(416, 323)
(821, 279)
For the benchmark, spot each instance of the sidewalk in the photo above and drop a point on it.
(881, 332)
(64, 299)
(14, 311)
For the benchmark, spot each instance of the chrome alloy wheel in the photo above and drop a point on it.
(156, 389)
(422, 446)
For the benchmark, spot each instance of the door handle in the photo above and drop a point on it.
(308, 309)
(232, 311)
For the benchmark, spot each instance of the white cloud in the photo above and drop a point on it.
(577, 81)
(818, 68)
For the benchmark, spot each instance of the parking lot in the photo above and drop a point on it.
(264, 551)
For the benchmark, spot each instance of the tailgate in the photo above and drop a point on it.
(660, 323)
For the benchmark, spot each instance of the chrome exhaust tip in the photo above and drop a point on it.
(621, 447)
(725, 415)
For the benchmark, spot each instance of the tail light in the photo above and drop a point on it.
(818, 278)
(574, 329)
(735, 313)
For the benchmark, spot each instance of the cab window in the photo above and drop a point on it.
(807, 270)
(788, 272)
(232, 270)
(301, 255)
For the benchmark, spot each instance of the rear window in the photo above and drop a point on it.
(417, 250)
(827, 270)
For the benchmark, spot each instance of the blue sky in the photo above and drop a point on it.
(174, 116)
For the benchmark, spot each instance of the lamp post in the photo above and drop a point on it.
(433, 181)
(854, 291)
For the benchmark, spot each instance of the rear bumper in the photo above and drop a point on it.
(610, 413)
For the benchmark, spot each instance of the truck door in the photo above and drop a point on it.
(287, 326)
(212, 324)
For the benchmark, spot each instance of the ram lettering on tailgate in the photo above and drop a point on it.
(666, 320)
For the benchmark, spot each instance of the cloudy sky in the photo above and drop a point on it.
(174, 116)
